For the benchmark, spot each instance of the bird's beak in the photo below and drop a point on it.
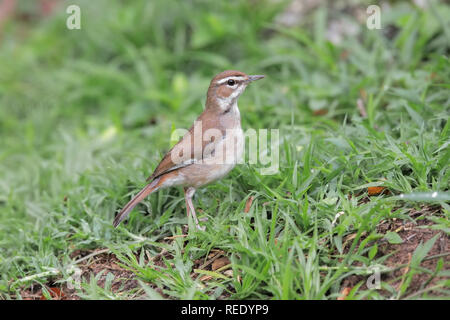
(255, 77)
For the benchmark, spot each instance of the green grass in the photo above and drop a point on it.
(86, 115)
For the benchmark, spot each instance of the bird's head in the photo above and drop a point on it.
(227, 86)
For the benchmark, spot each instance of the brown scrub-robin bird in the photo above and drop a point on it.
(208, 151)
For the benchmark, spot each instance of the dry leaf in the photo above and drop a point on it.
(228, 273)
(373, 191)
(361, 107)
(219, 263)
(320, 112)
(55, 293)
(212, 255)
(176, 236)
(363, 94)
(205, 278)
(405, 271)
(350, 237)
(248, 204)
(344, 293)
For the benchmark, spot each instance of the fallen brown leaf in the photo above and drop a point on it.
(205, 278)
(344, 293)
(363, 94)
(373, 191)
(176, 236)
(228, 273)
(219, 263)
(361, 107)
(248, 204)
(55, 293)
(320, 112)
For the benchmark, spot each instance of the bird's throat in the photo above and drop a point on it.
(230, 117)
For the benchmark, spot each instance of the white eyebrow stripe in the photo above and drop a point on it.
(229, 78)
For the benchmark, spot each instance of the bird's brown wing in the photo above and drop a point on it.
(187, 143)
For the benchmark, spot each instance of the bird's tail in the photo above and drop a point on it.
(148, 189)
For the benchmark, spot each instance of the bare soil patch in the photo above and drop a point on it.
(412, 233)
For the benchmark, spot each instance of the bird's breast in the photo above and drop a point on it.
(226, 154)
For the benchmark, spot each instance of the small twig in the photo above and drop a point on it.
(176, 236)
(163, 252)
(411, 236)
(404, 276)
(361, 107)
(54, 271)
(436, 256)
(51, 272)
(93, 254)
(213, 258)
(369, 271)
(440, 255)
(422, 291)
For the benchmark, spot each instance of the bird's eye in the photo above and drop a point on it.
(231, 82)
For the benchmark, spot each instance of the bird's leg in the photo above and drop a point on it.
(188, 210)
(188, 194)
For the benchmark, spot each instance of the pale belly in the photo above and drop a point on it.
(226, 154)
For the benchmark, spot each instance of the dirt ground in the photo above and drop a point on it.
(412, 233)
(124, 280)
